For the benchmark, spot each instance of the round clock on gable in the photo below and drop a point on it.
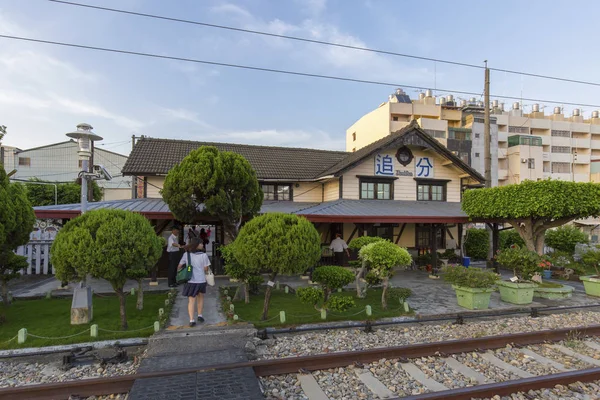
(404, 156)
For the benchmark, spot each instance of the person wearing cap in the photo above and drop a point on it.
(339, 246)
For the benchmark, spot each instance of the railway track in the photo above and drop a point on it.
(370, 368)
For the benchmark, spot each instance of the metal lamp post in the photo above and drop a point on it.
(81, 307)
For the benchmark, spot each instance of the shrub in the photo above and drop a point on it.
(310, 295)
(361, 241)
(340, 303)
(477, 244)
(383, 256)
(523, 262)
(591, 258)
(469, 277)
(427, 259)
(332, 277)
(254, 284)
(372, 279)
(397, 294)
(510, 237)
(565, 238)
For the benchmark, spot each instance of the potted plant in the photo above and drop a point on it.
(546, 266)
(591, 283)
(473, 286)
(524, 263)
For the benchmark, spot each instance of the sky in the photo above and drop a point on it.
(45, 91)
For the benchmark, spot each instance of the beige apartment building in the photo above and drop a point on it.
(531, 145)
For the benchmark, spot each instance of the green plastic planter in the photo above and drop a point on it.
(591, 283)
(516, 293)
(564, 292)
(473, 298)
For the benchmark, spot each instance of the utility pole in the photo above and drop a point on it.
(486, 129)
(487, 138)
(90, 187)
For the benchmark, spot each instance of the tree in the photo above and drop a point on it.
(2, 132)
(279, 243)
(16, 223)
(238, 271)
(534, 207)
(67, 193)
(357, 244)
(383, 256)
(565, 238)
(222, 184)
(108, 244)
(332, 277)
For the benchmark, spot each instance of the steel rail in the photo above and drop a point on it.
(509, 387)
(279, 366)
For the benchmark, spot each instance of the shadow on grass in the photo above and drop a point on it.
(298, 313)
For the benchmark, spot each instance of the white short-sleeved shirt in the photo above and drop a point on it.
(170, 248)
(338, 245)
(199, 262)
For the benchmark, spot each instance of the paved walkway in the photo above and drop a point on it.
(212, 308)
(198, 348)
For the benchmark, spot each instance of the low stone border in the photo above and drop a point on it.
(30, 351)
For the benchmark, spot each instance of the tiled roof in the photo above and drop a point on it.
(137, 205)
(157, 156)
(413, 127)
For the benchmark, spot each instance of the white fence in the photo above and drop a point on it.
(38, 257)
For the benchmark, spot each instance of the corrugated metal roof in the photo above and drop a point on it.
(387, 208)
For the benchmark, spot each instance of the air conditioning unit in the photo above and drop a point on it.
(524, 160)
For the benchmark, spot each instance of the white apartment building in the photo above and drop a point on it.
(523, 146)
(59, 162)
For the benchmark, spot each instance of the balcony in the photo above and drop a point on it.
(560, 157)
(546, 140)
(503, 137)
(595, 144)
(581, 177)
(502, 174)
(502, 153)
(561, 141)
(581, 159)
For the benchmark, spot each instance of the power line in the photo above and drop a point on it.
(322, 42)
(279, 71)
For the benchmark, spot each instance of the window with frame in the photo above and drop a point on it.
(531, 163)
(560, 149)
(431, 191)
(354, 136)
(375, 189)
(561, 167)
(277, 192)
(560, 133)
(24, 161)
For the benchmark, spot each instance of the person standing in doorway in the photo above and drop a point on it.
(196, 287)
(339, 246)
(173, 250)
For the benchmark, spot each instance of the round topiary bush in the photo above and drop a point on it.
(477, 244)
(340, 303)
(332, 277)
(310, 295)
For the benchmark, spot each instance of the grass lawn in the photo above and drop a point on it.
(298, 313)
(52, 318)
(549, 285)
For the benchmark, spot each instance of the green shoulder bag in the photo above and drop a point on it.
(185, 274)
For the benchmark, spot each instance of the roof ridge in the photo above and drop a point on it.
(243, 144)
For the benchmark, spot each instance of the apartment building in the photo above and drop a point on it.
(59, 162)
(523, 146)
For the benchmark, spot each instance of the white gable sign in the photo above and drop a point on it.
(424, 167)
(384, 165)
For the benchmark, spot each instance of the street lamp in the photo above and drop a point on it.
(85, 140)
(81, 307)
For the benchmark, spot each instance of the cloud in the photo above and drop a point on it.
(313, 7)
(232, 9)
(280, 137)
(184, 115)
